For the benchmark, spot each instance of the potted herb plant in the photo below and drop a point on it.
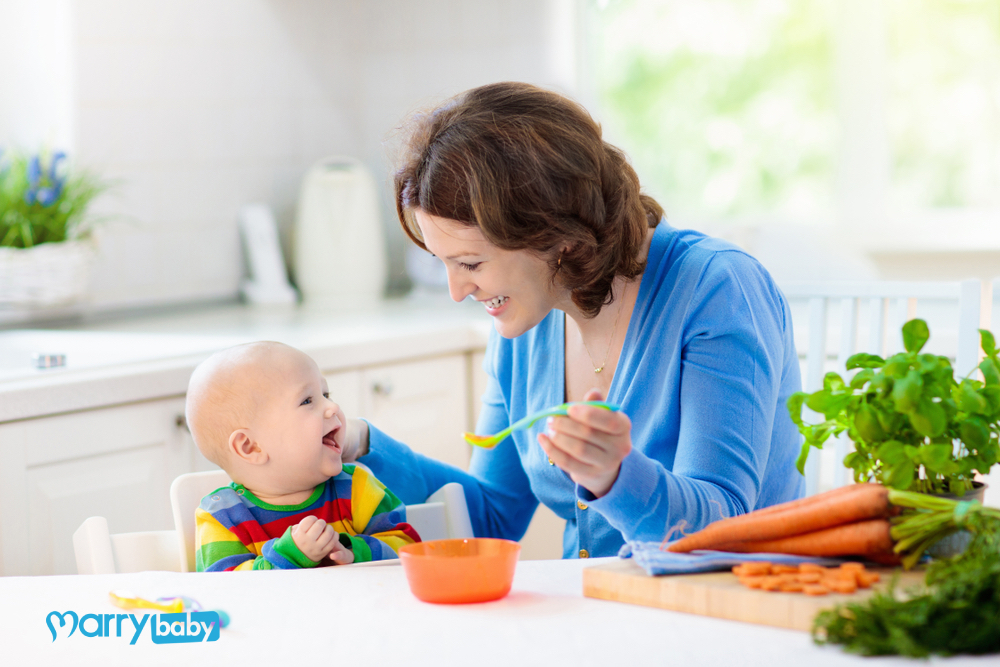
(45, 256)
(913, 425)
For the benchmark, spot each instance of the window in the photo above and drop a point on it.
(873, 114)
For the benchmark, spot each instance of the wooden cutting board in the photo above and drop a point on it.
(720, 595)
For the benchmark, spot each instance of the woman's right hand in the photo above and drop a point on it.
(355, 442)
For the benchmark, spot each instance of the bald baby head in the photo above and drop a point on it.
(228, 389)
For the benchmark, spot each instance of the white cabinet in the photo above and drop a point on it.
(56, 471)
(424, 403)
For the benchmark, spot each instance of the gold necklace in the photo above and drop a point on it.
(614, 330)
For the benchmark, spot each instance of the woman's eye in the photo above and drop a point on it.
(469, 267)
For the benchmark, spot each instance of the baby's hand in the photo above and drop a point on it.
(314, 537)
(341, 555)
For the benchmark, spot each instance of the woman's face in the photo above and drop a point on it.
(514, 286)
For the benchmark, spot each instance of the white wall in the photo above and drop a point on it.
(196, 107)
(35, 45)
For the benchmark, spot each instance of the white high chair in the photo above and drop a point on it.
(443, 515)
(832, 316)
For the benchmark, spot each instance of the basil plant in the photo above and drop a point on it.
(914, 426)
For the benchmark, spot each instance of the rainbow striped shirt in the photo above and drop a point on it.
(235, 530)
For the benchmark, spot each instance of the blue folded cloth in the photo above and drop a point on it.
(654, 561)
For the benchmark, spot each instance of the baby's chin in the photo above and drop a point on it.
(332, 469)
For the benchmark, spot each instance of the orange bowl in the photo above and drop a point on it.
(477, 569)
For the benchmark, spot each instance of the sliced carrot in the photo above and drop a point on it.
(780, 568)
(866, 579)
(792, 587)
(853, 566)
(811, 567)
(841, 585)
(815, 589)
(810, 577)
(771, 583)
(857, 503)
(756, 567)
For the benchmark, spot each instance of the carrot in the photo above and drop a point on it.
(857, 503)
(862, 538)
(815, 499)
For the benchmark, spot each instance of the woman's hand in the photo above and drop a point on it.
(355, 441)
(589, 444)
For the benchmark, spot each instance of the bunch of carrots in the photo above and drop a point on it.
(884, 525)
(848, 521)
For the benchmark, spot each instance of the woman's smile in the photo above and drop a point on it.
(495, 305)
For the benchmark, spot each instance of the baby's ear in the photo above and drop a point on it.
(245, 448)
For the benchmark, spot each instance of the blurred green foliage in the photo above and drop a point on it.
(727, 109)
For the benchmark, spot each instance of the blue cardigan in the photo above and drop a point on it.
(707, 366)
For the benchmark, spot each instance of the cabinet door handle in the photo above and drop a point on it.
(381, 388)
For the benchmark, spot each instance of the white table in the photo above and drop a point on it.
(366, 615)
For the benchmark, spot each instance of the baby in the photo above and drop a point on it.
(262, 412)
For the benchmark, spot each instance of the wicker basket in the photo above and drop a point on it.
(51, 274)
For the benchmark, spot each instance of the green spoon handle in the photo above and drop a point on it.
(557, 411)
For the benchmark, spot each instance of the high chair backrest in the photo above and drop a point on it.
(98, 551)
(186, 493)
(830, 317)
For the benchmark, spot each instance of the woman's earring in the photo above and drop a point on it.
(559, 263)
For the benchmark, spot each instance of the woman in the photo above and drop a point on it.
(593, 295)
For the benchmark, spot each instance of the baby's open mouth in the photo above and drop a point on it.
(330, 441)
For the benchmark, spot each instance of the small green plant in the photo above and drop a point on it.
(914, 426)
(41, 201)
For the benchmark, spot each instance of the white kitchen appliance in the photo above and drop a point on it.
(339, 249)
(267, 283)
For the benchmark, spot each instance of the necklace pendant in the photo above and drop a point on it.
(598, 370)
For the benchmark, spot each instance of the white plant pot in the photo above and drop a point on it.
(47, 275)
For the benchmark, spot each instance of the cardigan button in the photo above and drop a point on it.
(584, 553)
(582, 505)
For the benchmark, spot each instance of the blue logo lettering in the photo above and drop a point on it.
(62, 622)
(194, 626)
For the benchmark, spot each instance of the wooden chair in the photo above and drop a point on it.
(830, 317)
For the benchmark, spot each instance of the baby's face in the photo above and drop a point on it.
(299, 427)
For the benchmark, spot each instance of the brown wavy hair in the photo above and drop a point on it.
(529, 168)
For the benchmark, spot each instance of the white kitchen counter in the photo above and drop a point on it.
(126, 361)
